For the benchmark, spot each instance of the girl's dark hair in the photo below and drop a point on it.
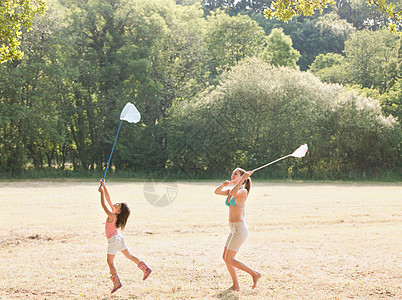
(122, 216)
(247, 182)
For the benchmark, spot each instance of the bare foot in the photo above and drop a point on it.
(233, 288)
(256, 277)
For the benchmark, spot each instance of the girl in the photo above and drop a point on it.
(117, 218)
(236, 200)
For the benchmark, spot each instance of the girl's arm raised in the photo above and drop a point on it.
(107, 196)
(102, 198)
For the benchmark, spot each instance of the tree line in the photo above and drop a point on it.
(216, 89)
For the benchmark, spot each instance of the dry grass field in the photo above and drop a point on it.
(309, 240)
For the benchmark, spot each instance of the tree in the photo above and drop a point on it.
(306, 38)
(279, 51)
(334, 31)
(371, 61)
(326, 61)
(31, 95)
(330, 68)
(359, 127)
(391, 102)
(259, 112)
(285, 10)
(14, 16)
(371, 58)
(171, 40)
(217, 4)
(361, 15)
(188, 2)
(234, 7)
(311, 36)
(231, 39)
(144, 51)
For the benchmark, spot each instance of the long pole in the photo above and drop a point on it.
(272, 162)
(110, 157)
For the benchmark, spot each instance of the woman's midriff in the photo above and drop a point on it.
(235, 214)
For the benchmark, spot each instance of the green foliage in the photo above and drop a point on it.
(399, 59)
(361, 15)
(389, 9)
(370, 61)
(363, 137)
(371, 65)
(231, 39)
(234, 7)
(279, 51)
(369, 56)
(330, 68)
(285, 10)
(334, 31)
(259, 113)
(207, 103)
(188, 2)
(106, 54)
(391, 102)
(328, 60)
(312, 36)
(306, 38)
(14, 16)
(30, 97)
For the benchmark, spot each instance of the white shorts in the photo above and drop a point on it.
(115, 244)
(237, 236)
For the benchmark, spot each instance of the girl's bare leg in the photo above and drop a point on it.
(131, 257)
(231, 260)
(110, 259)
(140, 264)
(232, 272)
(113, 272)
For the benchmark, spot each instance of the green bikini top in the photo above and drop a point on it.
(232, 202)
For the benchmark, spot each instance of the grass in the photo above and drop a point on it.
(309, 240)
(162, 174)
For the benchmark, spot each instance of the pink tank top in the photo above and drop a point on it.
(110, 227)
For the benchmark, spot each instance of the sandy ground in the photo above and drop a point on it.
(310, 241)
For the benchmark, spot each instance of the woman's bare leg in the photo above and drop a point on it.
(231, 260)
(232, 272)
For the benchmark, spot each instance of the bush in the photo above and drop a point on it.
(259, 113)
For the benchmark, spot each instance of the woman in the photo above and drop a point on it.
(236, 200)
